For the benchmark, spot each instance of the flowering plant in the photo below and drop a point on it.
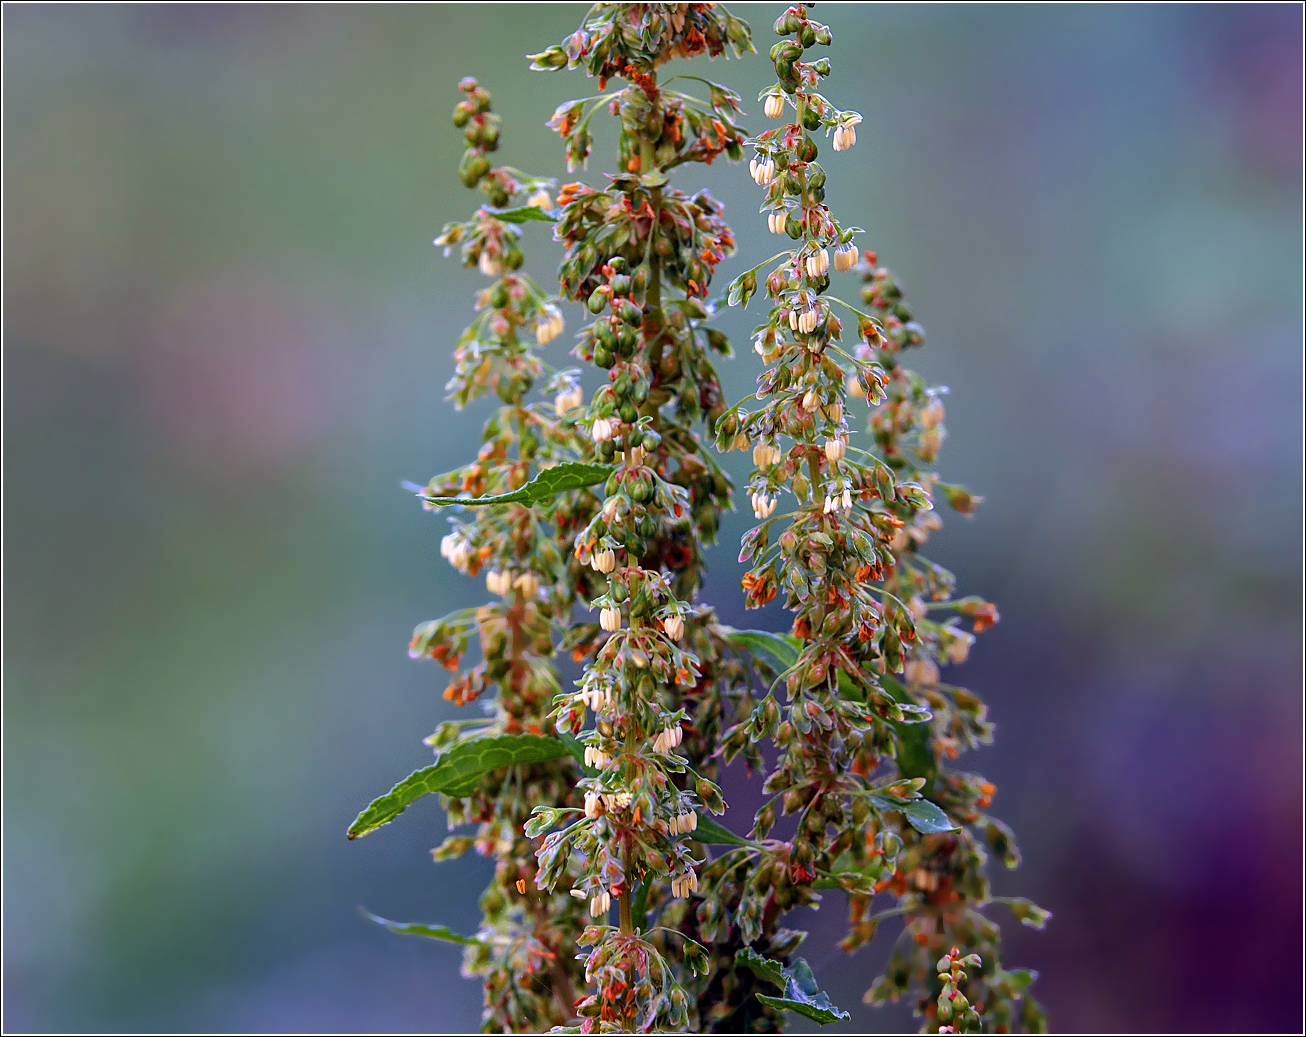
(602, 794)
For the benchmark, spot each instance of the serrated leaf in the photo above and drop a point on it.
(433, 932)
(456, 773)
(522, 214)
(747, 958)
(571, 475)
(803, 997)
(709, 832)
(778, 647)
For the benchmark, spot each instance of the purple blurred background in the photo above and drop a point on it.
(226, 340)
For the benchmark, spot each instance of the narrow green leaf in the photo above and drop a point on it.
(709, 832)
(780, 648)
(456, 773)
(803, 997)
(522, 214)
(639, 909)
(570, 475)
(433, 932)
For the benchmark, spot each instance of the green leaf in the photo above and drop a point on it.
(926, 817)
(456, 772)
(639, 909)
(780, 648)
(570, 475)
(709, 832)
(434, 932)
(522, 214)
(916, 757)
(801, 994)
(764, 967)
(576, 750)
(1028, 912)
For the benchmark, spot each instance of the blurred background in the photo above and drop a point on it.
(226, 336)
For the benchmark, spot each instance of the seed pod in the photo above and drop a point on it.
(630, 312)
(598, 299)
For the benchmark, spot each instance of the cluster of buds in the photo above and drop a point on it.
(660, 678)
(857, 743)
(526, 933)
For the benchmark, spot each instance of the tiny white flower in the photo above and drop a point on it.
(601, 430)
(959, 648)
(548, 324)
(610, 620)
(540, 199)
(775, 106)
(490, 265)
(818, 263)
(835, 448)
(674, 627)
(845, 256)
(567, 400)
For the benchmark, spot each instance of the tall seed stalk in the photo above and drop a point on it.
(599, 797)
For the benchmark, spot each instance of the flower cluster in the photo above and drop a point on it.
(588, 521)
(662, 679)
(868, 720)
(526, 932)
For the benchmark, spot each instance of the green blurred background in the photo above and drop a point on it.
(226, 339)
